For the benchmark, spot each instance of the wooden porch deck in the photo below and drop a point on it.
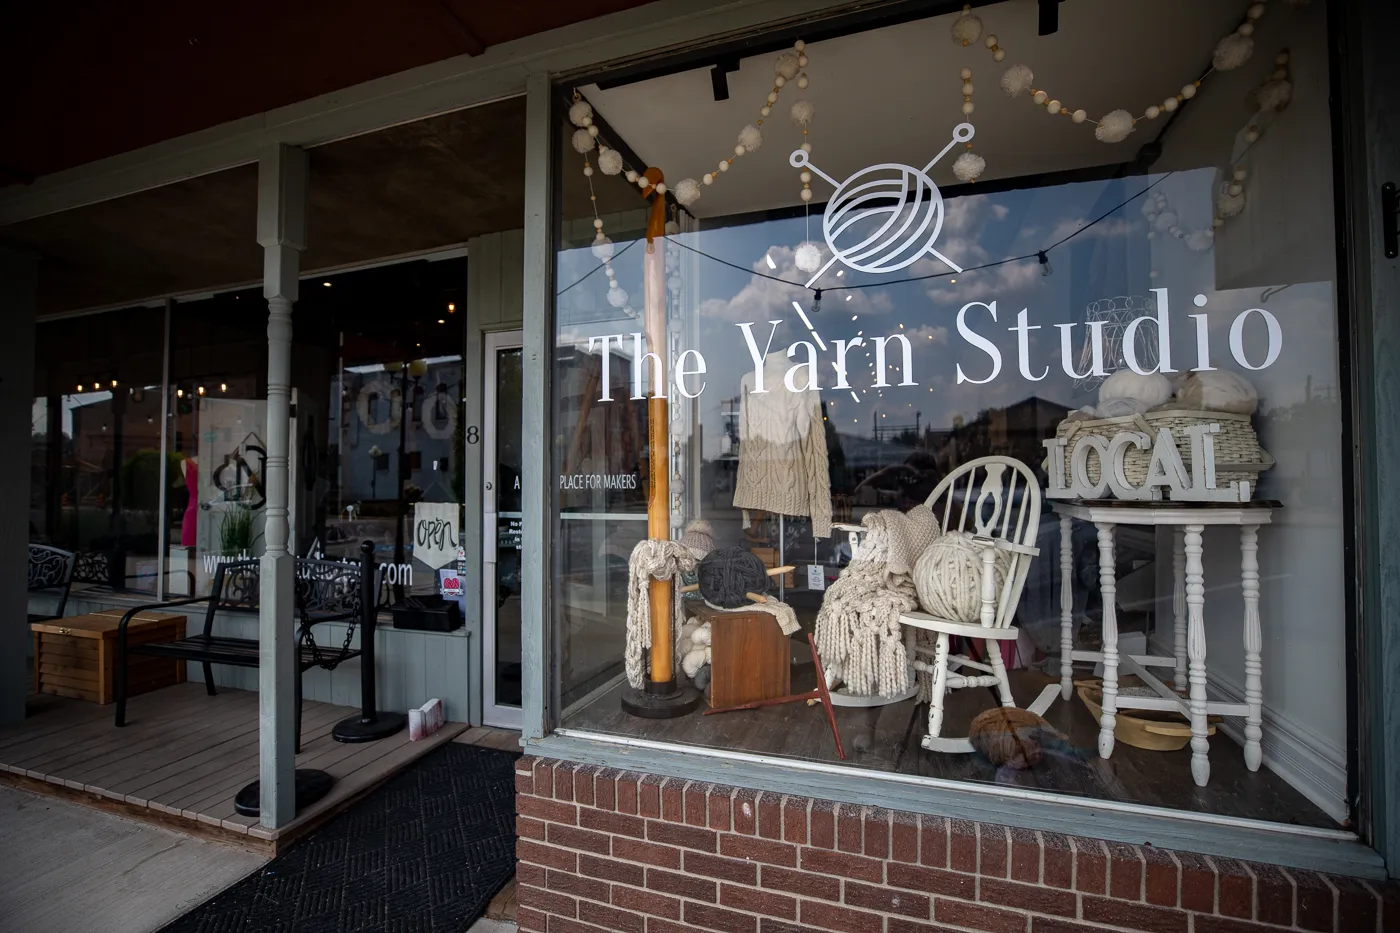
(184, 755)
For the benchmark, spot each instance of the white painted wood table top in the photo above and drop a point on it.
(1187, 521)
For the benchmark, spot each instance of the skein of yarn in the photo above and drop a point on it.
(727, 573)
(948, 577)
(1010, 737)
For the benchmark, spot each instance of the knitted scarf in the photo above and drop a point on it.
(662, 560)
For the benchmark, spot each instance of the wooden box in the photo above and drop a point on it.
(771, 558)
(750, 657)
(76, 657)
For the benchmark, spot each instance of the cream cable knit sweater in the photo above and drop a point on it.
(782, 449)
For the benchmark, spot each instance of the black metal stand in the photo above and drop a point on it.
(371, 724)
(666, 700)
(311, 786)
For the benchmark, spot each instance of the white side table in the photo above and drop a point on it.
(1188, 521)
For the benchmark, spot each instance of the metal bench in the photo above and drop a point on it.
(50, 574)
(326, 591)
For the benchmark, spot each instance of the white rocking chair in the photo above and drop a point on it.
(997, 500)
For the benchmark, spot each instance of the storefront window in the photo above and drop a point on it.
(840, 332)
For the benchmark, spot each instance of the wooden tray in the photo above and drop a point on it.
(1154, 730)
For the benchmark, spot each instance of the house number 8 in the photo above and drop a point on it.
(473, 435)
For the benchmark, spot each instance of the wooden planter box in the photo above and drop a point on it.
(76, 657)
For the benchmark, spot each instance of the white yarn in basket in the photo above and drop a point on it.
(948, 577)
(1218, 391)
(1151, 390)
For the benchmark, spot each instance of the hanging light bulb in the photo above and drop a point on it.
(179, 393)
(223, 387)
(1044, 263)
(200, 390)
(80, 387)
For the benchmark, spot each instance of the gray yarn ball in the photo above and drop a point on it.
(727, 573)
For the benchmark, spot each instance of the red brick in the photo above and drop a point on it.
(745, 811)
(904, 837)
(605, 789)
(714, 866)
(562, 859)
(564, 925)
(1124, 872)
(544, 778)
(612, 870)
(769, 925)
(564, 782)
(672, 801)
(697, 889)
(646, 902)
(1197, 882)
(887, 900)
(1057, 861)
(1160, 882)
(1138, 916)
(1055, 925)
(758, 850)
(978, 916)
(758, 902)
(1090, 866)
(795, 820)
(585, 840)
(606, 821)
(1025, 856)
(524, 783)
(901, 925)
(583, 784)
(649, 796)
(1273, 895)
(527, 828)
(551, 811)
(563, 882)
(648, 853)
(532, 920)
(658, 925)
(962, 846)
(850, 836)
(1027, 897)
(610, 918)
(1206, 924)
(1237, 890)
(933, 841)
(877, 832)
(687, 837)
(770, 815)
(526, 873)
(1314, 900)
(844, 864)
(627, 793)
(1357, 904)
(831, 917)
(695, 804)
(800, 883)
(717, 918)
(823, 824)
(718, 800)
(932, 880)
(995, 849)
(556, 905)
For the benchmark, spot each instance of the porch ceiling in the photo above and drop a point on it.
(102, 79)
(409, 188)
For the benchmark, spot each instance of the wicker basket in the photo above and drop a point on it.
(1238, 455)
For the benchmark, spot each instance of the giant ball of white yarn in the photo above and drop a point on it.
(948, 577)
(1150, 390)
(1218, 391)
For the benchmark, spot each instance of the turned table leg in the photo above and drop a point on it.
(1108, 588)
(1253, 644)
(1196, 649)
(1179, 607)
(1066, 606)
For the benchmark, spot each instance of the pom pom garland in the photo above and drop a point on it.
(1274, 94)
(687, 191)
(969, 167)
(1017, 80)
(1200, 240)
(808, 257)
(750, 139)
(1114, 127)
(786, 66)
(603, 248)
(1227, 204)
(967, 28)
(617, 297)
(609, 161)
(1232, 52)
(581, 113)
(802, 113)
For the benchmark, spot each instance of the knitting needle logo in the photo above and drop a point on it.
(900, 202)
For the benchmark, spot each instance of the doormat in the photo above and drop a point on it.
(425, 853)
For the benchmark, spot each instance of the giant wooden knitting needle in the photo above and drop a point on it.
(661, 698)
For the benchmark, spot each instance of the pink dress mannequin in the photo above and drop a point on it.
(189, 525)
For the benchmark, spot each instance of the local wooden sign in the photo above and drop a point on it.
(1165, 470)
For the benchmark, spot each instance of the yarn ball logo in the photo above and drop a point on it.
(884, 217)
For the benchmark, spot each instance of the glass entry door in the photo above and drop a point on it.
(501, 533)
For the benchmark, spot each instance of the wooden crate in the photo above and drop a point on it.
(771, 558)
(76, 657)
(750, 657)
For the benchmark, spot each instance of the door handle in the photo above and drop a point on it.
(488, 537)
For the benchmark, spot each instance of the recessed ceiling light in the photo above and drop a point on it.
(327, 284)
(451, 308)
(441, 321)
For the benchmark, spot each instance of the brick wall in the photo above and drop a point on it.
(608, 850)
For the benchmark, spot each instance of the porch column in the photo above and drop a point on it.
(282, 235)
(18, 286)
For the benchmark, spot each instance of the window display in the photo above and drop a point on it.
(1033, 426)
